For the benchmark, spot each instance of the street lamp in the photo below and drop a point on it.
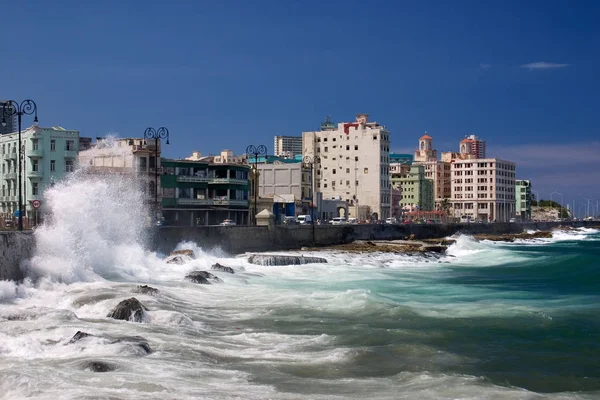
(561, 202)
(156, 134)
(10, 109)
(308, 160)
(255, 151)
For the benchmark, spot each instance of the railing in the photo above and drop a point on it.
(211, 180)
(11, 175)
(188, 178)
(231, 181)
(11, 155)
(35, 153)
(34, 174)
(211, 202)
(70, 154)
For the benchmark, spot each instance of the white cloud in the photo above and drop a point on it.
(543, 65)
(551, 155)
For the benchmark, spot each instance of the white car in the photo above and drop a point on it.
(339, 221)
(228, 222)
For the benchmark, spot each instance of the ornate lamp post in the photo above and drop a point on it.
(255, 151)
(10, 109)
(156, 134)
(308, 160)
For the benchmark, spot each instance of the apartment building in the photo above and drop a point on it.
(287, 146)
(416, 189)
(8, 117)
(473, 145)
(483, 189)
(523, 199)
(435, 170)
(47, 156)
(354, 165)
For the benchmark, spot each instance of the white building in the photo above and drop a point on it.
(354, 165)
(287, 146)
(436, 170)
(483, 189)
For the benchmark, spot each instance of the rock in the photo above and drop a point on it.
(202, 277)
(511, 237)
(145, 289)
(219, 267)
(433, 248)
(99, 366)
(411, 237)
(175, 260)
(129, 310)
(135, 341)
(266, 259)
(186, 252)
(78, 336)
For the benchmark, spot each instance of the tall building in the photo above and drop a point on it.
(436, 170)
(8, 119)
(417, 191)
(354, 165)
(473, 145)
(48, 154)
(523, 199)
(483, 189)
(287, 146)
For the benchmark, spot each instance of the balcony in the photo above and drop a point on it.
(70, 154)
(37, 153)
(34, 174)
(188, 178)
(11, 155)
(229, 181)
(11, 175)
(211, 202)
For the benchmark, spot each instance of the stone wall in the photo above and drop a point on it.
(14, 248)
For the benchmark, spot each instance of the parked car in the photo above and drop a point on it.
(289, 220)
(339, 221)
(304, 219)
(228, 222)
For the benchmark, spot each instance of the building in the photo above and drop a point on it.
(137, 157)
(354, 165)
(201, 193)
(287, 146)
(288, 187)
(523, 199)
(473, 145)
(7, 117)
(483, 189)
(417, 190)
(436, 170)
(48, 155)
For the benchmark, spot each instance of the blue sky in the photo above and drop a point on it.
(224, 74)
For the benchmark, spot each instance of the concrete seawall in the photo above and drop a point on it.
(14, 248)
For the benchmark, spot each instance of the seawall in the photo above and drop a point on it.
(242, 239)
(14, 248)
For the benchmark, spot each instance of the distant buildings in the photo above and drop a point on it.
(436, 170)
(48, 154)
(287, 146)
(9, 118)
(397, 158)
(473, 145)
(523, 199)
(354, 165)
(416, 189)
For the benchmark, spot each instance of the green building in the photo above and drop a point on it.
(417, 191)
(523, 198)
(201, 193)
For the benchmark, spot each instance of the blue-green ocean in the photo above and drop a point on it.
(488, 320)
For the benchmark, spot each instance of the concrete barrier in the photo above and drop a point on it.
(14, 248)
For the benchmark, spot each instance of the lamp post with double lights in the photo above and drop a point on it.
(10, 109)
(255, 151)
(308, 160)
(156, 134)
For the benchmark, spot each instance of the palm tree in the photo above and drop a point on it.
(446, 206)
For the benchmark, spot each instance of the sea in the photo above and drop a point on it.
(486, 320)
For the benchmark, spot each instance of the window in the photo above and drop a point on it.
(53, 145)
(366, 170)
(356, 158)
(333, 171)
(35, 188)
(3, 190)
(69, 166)
(355, 147)
(347, 147)
(52, 165)
(70, 145)
(35, 166)
(35, 144)
(347, 170)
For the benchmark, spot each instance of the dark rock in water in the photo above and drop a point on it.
(99, 366)
(136, 341)
(175, 260)
(219, 267)
(129, 310)
(266, 259)
(145, 289)
(434, 248)
(78, 336)
(202, 277)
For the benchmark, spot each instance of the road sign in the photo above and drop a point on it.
(36, 203)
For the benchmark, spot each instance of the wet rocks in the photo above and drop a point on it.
(175, 260)
(129, 310)
(267, 259)
(202, 277)
(145, 289)
(78, 336)
(179, 256)
(511, 237)
(137, 342)
(219, 267)
(99, 366)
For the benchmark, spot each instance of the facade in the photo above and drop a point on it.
(354, 165)
(48, 155)
(435, 170)
(129, 156)
(473, 145)
(201, 193)
(523, 199)
(416, 189)
(9, 120)
(287, 146)
(483, 189)
(288, 185)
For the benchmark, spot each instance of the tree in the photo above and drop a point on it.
(446, 206)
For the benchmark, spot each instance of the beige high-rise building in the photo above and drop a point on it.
(436, 170)
(483, 189)
(354, 165)
(287, 146)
